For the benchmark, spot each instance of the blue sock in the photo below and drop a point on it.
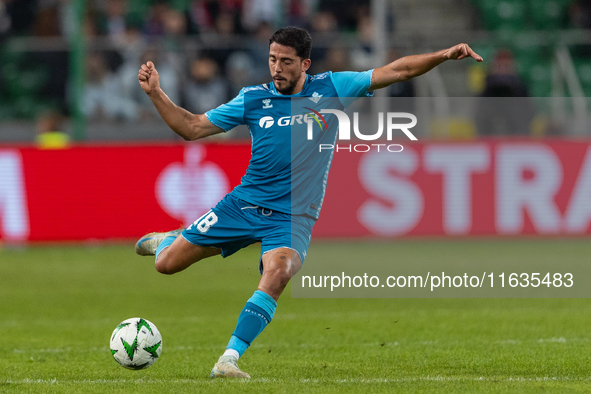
(166, 242)
(257, 313)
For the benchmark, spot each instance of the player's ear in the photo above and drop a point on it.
(306, 64)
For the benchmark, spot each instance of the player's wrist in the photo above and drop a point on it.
(154, 93)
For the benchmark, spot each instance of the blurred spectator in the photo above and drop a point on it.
(298, 12)
(323, 31)
(130, 88)
(49, 129)
(103, 93)
(170, 26)
(205, 89)
(51, 21)
(201, 16)
(259, 51)
(324, 23)
(48, 122)
(504, 115)
(56, 18)
(89, 25)
(225, 24)
(337, 59)
(155, 23)
(256, 11)
(47, 20)
(132, 45)
(175, 24)
(5, 21)
(346, 12)
(580, 17)
(113, 22)
(362, 56)
(17, 16)
(225, 28)
(502, 79)
(580, 14)
(240, 73)
(56, 65)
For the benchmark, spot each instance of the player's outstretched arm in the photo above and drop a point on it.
(187, 125)
(409, 67)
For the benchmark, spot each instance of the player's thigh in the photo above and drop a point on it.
(181, 254)
(227, 227)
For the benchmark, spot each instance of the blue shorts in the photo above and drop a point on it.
(234, 224)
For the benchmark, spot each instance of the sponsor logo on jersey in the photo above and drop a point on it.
(266, 122)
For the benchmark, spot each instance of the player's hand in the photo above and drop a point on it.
(462, 51)
(149, 78)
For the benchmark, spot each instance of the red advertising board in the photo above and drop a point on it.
(475, 188)
(108, 192)
(456, 189)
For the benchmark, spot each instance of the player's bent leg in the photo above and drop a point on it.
(181, 254)
(279, 266)
(149, 243)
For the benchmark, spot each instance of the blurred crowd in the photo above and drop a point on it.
(207, 50)
(228, 46)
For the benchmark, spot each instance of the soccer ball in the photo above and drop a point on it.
(136, 343)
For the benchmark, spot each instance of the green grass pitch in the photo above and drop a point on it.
(59, 305)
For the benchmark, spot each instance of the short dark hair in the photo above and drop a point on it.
(294, 37)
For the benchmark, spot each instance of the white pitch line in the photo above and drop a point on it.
(104, 349)
(304, 381)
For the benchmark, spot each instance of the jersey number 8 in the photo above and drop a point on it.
(206, 221)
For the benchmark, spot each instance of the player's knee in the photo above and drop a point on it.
(163, 266)
(280, 270)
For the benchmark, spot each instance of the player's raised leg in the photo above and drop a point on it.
(148, 244)
(173, 253)
(181, 254)
(279, 265)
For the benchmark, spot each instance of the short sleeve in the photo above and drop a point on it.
(351, 85)
(229, 115)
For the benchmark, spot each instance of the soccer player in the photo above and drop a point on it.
(279, 198)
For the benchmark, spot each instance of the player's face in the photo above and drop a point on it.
(287, 68)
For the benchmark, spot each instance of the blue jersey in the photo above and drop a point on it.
(287, 172)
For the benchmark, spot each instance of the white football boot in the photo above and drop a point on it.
(147, 245)
(227, 367)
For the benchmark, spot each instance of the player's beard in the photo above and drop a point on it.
(288, 90)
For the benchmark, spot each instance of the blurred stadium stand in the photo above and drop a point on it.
(207, 50)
